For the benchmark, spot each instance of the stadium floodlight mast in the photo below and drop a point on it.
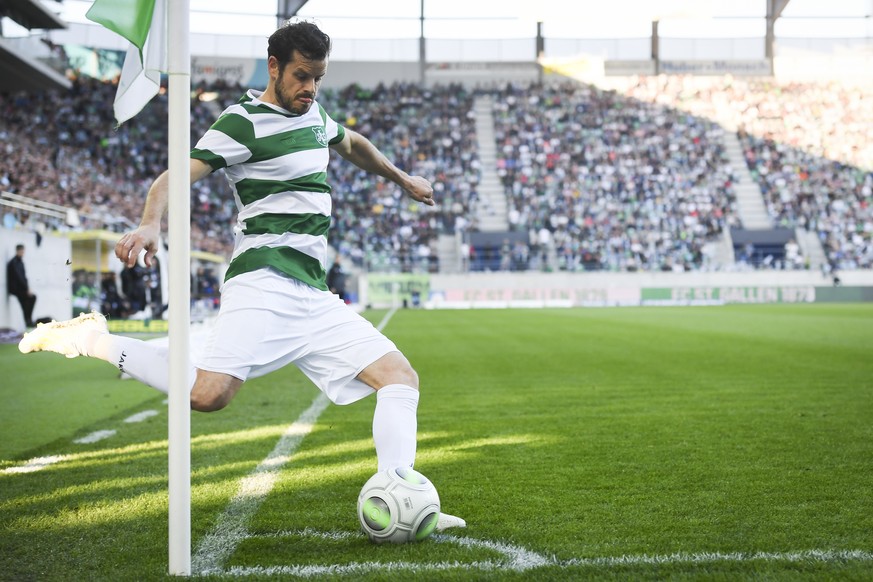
(179, 233)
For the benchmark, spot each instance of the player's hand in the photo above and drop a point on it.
(420, 189)
(131, 244)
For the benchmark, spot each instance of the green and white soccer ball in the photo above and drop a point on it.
(398, 505)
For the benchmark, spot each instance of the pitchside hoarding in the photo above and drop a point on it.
(555, 290)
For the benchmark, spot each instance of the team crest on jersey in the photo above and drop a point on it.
(320, 136)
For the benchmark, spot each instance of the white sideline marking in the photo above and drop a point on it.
(232, 525)
(97, 435)
(386, 319)
(36, 464)
(141, 416)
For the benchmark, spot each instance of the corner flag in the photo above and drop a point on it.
(159, 32)
(144, 24)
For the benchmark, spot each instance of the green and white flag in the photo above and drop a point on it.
(144, 24)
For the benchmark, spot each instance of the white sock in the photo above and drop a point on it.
(142, 360)
(395, 426)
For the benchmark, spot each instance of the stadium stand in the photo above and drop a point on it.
(594, 180)
(19, 69)
(80, 159)
(426, 132)
(807, 146)
(606, 182)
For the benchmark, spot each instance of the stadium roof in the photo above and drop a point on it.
(386, 19)
(385, 30)
(19, 71)
(30, 14)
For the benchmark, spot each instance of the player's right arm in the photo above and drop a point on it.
(148, 234)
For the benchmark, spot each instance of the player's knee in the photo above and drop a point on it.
(408, 376)
(393, 368)
(208, 400)
(211, 393)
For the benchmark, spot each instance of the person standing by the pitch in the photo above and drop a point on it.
(17, 285)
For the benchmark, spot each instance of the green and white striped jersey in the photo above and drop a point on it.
(276, 165)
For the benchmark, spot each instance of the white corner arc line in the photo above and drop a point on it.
(519, 559)
(97, 435)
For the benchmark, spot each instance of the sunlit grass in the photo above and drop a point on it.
(570, 433)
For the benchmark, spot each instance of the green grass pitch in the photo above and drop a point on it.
(714, 443)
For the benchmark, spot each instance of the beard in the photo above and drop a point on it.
(287, 103)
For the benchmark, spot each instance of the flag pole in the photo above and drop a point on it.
(179, 218)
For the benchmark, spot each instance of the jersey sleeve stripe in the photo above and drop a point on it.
(231, 151)
(216, 162)
(340, 134)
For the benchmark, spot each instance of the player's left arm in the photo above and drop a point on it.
(360, 151)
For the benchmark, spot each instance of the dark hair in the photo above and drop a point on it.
(19, 247)
(304, 37)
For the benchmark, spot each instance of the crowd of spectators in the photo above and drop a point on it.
(626, 180)
(80, 159)
(610, 182)
(806, 144)
(830, 198)
(428, 132)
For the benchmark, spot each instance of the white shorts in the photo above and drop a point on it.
(267, 321)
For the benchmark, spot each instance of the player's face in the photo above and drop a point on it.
(296, 84)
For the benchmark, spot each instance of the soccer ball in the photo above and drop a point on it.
(398, 505)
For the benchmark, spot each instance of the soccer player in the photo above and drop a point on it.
(276, 308)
